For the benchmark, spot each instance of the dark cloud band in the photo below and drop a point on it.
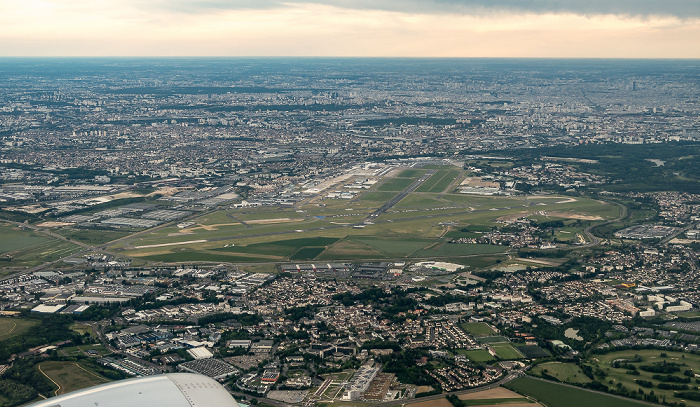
(638, 8)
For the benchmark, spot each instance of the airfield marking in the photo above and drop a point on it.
(169, 244)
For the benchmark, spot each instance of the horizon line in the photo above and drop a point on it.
(341, 57)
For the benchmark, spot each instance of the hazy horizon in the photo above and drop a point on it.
(341, 28)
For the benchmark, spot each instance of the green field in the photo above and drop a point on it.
(477, 328)
(438, 182)
(564, 372)
(82, 350)
(69, 376)
(416, 228)
(492, 339)
(12, 238)
(10, 327)
(27, 248)
(635, 359)
(456, 249)
(93, 236)
(411, 173)
(396, 184)
(559, 395)
(377, 196)
(415, 200)
(83, 329)
(507, 352)
(477, 355)
(307, 253)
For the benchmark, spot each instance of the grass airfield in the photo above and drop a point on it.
(21, 248)
(322, 229)
(416, 227)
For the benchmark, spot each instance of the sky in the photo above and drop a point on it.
(366, 28)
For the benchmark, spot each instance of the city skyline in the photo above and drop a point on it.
(473, 28)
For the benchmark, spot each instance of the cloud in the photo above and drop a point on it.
(634, 8)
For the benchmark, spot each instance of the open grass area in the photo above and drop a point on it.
(307, 253)
(10, 327)
(27, 248)
(477, 328)
(416, 200)
(93, 237)
(477, 355)
(456, 249)
(396, 184)
(91, 350)
(350, 249)
(413, 229)
(559, 395)
(82, 329)
(377, 196)
(629, 361)
(393, 247)
(439, 181)
(70, 376)
(412, 173)
(492, 339)
(506, 351)
(12, 238)
(564, 372)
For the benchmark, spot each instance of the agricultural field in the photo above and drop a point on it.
(495, 396)
(559, 395)
(10, 327)
(432, 403)
(69, 376)
(564, 372)
(510, 402)
(620, 367)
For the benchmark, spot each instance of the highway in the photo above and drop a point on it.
(594, 240)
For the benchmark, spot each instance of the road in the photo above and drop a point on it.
(676, 233)
(594, 240)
